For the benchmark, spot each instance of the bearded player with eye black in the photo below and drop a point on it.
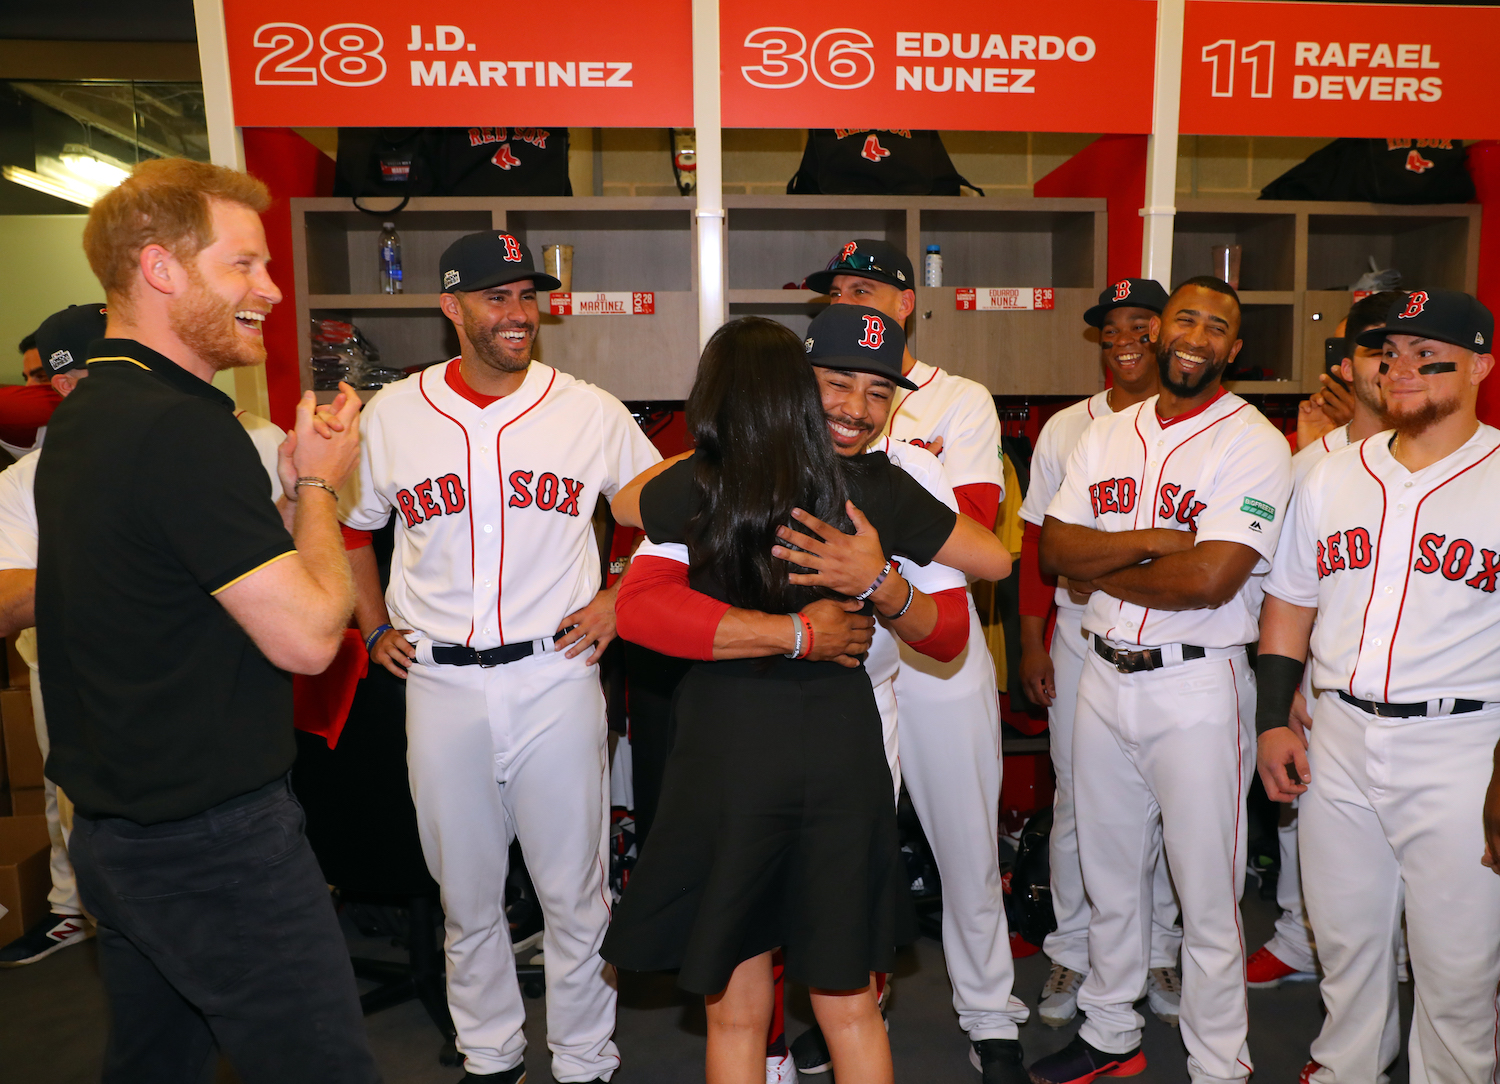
(1391, 547)
(492, 464)
(1170, 510)
(949, 719)
(1127, 316)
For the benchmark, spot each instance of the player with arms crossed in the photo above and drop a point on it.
(1171, 510)
(492, 464)
(1290, 955)
(949, 720)
(1127, 316)
(1392, 547)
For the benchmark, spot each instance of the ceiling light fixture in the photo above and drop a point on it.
(81, 195)
(92, 167)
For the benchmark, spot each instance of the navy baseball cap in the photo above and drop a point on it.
(869, 259)
(481, 260)
(1448, 316)
(1127, 293)
(64, 338)
(858, 339)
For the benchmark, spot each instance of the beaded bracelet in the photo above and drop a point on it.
(377, 634)
(796, 651)
(911, 594)
(880, 579)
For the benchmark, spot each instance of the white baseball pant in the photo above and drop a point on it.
(948, 718)
(1175, 744)
(1396, 801)
(62, 899)
(1069, 943)
(496, 753)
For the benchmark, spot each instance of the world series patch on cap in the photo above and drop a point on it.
(858, 339)
(490, 258)
(63, 339)
(866, 258)
(1449, 316)
(1127, 293)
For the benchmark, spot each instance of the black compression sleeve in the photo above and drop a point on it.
(1277, 678)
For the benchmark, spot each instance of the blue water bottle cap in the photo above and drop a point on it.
(934, 248)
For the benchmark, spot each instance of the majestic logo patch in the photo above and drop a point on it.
(1259, 508)
(450, 279)
(1122, 290)
(1414, 305)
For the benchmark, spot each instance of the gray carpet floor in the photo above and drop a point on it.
(53, 1020)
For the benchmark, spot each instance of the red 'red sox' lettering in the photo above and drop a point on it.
(552, 493)
(1185, 510)
(1114, 495)
(420, 503)
(1455, 559)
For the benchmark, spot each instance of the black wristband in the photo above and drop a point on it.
(1277, 678)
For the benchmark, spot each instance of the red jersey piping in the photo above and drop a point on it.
(500, 573)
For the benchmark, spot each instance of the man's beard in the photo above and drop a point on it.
(1411, 423)
(205, 323)
(482, 339)
(1183, 390)
(1368, 392)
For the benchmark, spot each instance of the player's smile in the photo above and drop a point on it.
(848, 432)
(251, 320)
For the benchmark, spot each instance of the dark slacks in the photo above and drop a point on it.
(218, 931)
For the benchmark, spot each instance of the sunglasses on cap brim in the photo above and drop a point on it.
(857, 262)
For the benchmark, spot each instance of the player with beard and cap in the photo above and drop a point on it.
(1170, 511)
(1290, 955)
(492, 464)
(1128, 315)
(1387, 573)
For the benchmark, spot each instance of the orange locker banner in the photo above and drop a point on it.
(380, 63)
(1066, 66)
(1373, 70)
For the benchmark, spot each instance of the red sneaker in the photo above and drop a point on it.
(1307, 1071)
(1265, 969)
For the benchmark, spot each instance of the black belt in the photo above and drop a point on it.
(495, 656)
(1133, 662)
(1407, 711)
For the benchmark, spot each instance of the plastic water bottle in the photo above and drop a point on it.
(932, 268)
(390, 259)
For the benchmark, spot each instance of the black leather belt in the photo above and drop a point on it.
(1133, 662)
(495, 656)
(1407, 711)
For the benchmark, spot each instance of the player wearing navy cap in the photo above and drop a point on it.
(1127, 317)
(491, 465)
(1391, 546)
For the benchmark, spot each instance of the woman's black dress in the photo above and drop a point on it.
(775, 826)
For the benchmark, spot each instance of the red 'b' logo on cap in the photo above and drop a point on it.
(1414, 305)
(1122, 290)
(874, 333)
(848, 250)
(512, 248)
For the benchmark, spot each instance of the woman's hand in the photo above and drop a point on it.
(846, 563)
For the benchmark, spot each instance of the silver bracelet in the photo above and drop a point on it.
(796, 652)
(319, 483)
(911, 594)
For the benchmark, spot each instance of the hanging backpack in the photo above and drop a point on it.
(1380, 171)
(876, 162)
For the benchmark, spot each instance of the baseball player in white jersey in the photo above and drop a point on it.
(1290, 955)
(949, 718)
(1391, 547)
(1123, 317)
(63, 338)
(492, 464)
(1170, 510)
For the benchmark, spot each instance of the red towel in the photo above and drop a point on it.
(320, 702)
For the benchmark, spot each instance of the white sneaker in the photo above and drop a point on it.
(781, 1070)
(1164, 994)
(1059, 997)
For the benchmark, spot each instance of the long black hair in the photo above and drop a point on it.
(762, 449)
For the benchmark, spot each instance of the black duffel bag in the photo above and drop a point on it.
(407, 162)
(1380, 171)
(876, 162)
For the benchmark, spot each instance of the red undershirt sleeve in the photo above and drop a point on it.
(355, 539)
(951, 632)
(980, 502)
(1036, 589)
(657, 609)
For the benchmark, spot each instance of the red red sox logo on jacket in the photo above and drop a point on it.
(1119, 495)
(445, 496)
(1352, 549)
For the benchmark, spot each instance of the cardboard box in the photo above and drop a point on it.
(25, 876)
(28, 801)
(23, 757)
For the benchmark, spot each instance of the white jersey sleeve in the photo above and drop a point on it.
(1294, 571)
(363, 505)
(267, 438)
(1054, 446)
(1071, 503)
(1258, 479)
(626, 448)
(959, 411)
(18, 530)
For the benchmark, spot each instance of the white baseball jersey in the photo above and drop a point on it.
(1390, 557)
(1054, 447)
(961, 412)
(267, 438)
(1222, 472)
(495, 542)
(1308, 457)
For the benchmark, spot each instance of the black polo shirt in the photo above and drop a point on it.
(150, 499)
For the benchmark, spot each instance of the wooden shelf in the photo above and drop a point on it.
(357, 302)
(790, 298)
(1267, 297)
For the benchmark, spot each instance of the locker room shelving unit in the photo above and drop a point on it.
(1299, 258)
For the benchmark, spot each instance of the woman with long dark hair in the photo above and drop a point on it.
(775, 827)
